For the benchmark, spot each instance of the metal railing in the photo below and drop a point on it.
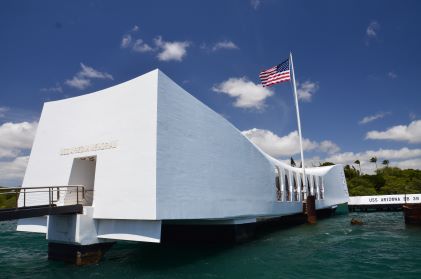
(23, 194)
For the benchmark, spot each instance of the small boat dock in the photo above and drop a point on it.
(382, 203)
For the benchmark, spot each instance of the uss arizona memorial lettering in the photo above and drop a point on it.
(393, 199)
(88, 148)
(385, 199)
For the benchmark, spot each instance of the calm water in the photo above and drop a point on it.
(383, 247)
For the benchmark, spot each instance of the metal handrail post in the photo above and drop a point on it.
(17, 197)
(49, 196)
(53, 198)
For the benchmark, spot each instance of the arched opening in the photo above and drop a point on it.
(278, 184)
(295, 189)
(303, 190)
(315, 187)
(82, 173)
(288, 193)
(321, 186)
(309, 190)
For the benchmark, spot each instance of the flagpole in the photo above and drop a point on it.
(298, 120)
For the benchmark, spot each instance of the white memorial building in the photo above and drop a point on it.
(149, 154)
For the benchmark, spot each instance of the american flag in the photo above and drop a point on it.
(276, 74)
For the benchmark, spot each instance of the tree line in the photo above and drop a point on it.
(385, 181)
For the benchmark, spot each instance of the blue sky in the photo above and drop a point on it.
(354, 60)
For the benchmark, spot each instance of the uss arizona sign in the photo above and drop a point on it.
(88, 148)
(385, 199)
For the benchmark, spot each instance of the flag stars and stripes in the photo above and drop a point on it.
(276, 74)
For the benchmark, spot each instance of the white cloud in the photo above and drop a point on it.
(78, 82)
(15, 138)
(392, 75)
(247, 94)
(135, 28)
(255, 4)
(224, 45)
(56, 88)
(389, 154)
(288, 145)
(8, 153)
(398, 154)
(89, 72)
(167, 51)
(17, 135)
(348, 158)
(372, 29)
(3, 111)
(409, 164)
(410, 133)
(329, 147)
(12, 171)
(412, 116)
(126, 40)
(370, 118)
(83, 78)
(171, 50)
(306, 90)
(403, 158)
(345, 158)
(140, 46)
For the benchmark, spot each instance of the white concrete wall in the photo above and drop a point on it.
(76, 229)
(335, 188)
(205, 167)
(125, 175)
(35, 224)
(132, 230)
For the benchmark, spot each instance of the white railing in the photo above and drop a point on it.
(47, 195)
(290, 185)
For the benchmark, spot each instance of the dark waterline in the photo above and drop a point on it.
(382, 247)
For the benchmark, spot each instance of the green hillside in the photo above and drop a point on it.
(6, 200)
(386, 181)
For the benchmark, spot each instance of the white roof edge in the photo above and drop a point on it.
(276, 162)
(104, 89)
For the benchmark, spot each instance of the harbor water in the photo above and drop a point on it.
(382, 247)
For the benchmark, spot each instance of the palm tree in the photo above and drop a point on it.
(358, 163)
(374, 160)
(292, 162)
(386, 163)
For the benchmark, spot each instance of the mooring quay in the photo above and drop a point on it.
(382, 203)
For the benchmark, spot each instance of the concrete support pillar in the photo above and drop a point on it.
(73, 238)
(311, 209)
(76, 253)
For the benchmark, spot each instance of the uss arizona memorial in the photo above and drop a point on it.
(149, 154)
